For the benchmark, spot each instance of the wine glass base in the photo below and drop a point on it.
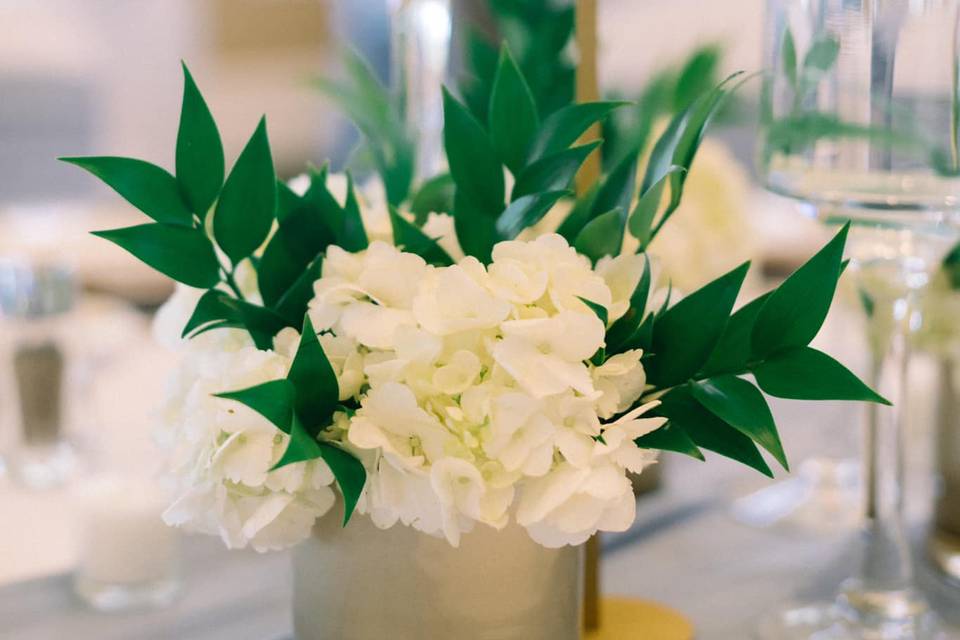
(824, 497)
(833, 621)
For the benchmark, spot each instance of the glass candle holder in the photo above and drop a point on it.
(128, 558)
(34, 299)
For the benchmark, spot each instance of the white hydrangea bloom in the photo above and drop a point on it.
(224, 451)
(475, 401)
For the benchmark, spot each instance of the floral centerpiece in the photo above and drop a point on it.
(443, 374)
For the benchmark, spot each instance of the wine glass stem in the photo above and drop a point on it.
(882, 586)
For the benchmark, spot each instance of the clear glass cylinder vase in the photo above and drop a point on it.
(400, 584)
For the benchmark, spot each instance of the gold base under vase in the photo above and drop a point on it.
(629, 619)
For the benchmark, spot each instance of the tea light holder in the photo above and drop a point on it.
(127, 557)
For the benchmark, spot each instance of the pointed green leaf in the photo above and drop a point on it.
(788, 58)
(795, 311)
(670, 437)
(476, 230)
(598, 309)
(733, 350)
(295, 301)
(709, 431)
(602, 236)
(315, 381)
(804, 373)
(822, 54)
(434, 196)
(263, 324)
(641, 218)
(686, 333)
(248, 201)
(146, 186)
(350, 475)
(352, 237)
(410, 238)
(300, 237)
(552, 173)
(182, 253)
(525, 212)
(513, 113)
(579, 216)
(199, 150)
(616, 190)
(302, 447)
(474, 165)
(273, 400)
(562, 128)
(212, 307)
(625, 326)
(697, 76)
(741, 405)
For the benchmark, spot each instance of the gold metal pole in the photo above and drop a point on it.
(588, 90)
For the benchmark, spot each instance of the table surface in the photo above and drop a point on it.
(685, 550)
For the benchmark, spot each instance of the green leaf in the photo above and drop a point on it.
(552, 173)
(300, 237)
(410, 238)
(273, 400)
(822, 54)
(350, 475)
(696, 77)
(182, 253)
(602, 236)
(248, 201)
(670, 437)
(474, 166)
(641, 218)
(261, 323)
(525, 212)
(598, 309)
(302, 447)
(212, 307)
(199, 150)
(434, 196)
(562, 128)
(788, 58)
(661, 156)
(295, 301)
(733, 350)
(709, 431)
(352, 236)
(795, 311)
(315, 381)
(476, 230)
(616, 191)
(579, 215)
(513, 113)
(686, 333)
(146, 186)
(625, 326)
(741, 405)
(951, 266)
(804, 373)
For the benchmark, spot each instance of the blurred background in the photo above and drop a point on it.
(81, 369)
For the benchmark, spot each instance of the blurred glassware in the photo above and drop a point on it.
(863, 126)
(420, 43)
(944, 537)
(33, 300)
(128, 558)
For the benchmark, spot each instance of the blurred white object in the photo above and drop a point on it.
(128, 558)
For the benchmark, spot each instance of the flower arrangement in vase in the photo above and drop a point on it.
(437, 371)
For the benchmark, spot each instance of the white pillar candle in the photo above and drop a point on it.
(122, 539)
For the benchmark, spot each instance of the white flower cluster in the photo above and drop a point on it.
(477, 400)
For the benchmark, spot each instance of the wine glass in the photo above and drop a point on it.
(860, 123)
